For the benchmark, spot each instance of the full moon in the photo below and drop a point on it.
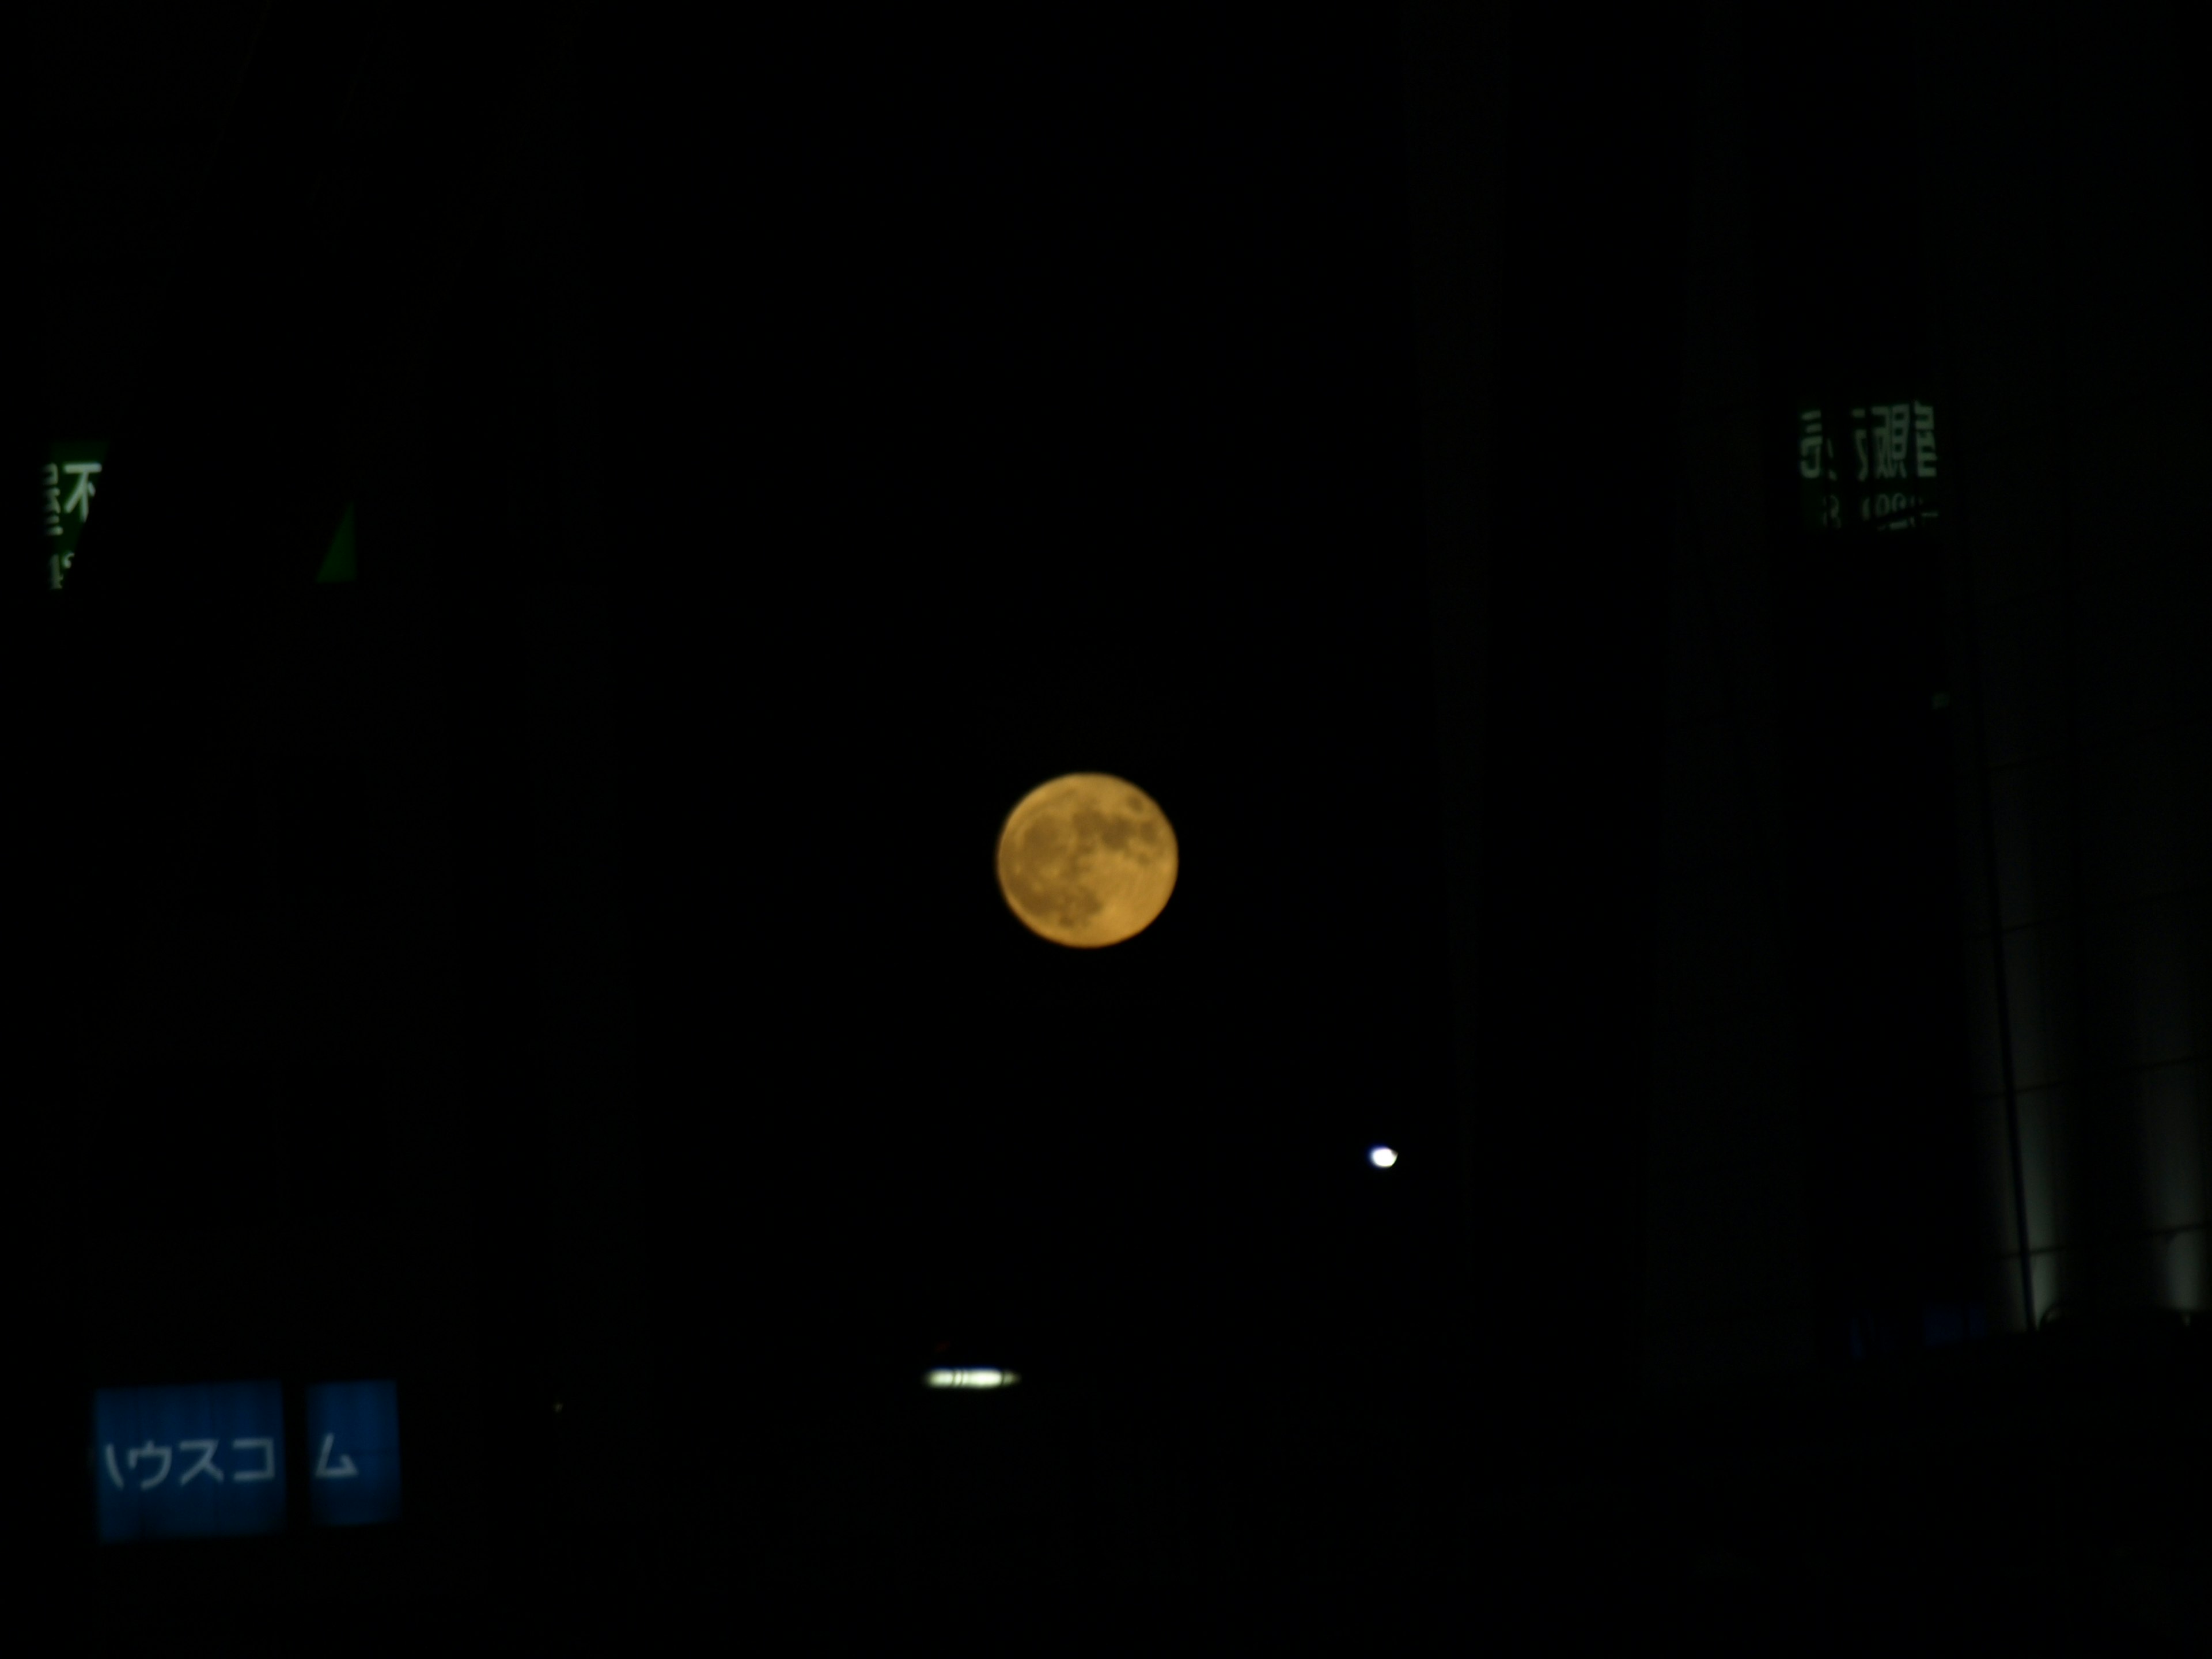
(1086, 859)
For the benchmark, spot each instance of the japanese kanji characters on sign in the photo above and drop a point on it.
(71, 470)
(1816, 461)
(1888, 480)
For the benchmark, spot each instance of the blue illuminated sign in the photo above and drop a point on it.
(206, 1460)
(353, 1437)
(202, 1460)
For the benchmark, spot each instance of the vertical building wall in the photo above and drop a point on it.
(2068, 241)
(566, 545)
(1727, 1286)
(1455, 79)
(1550, 323)
(476, 195)
(123, 109)
(257, 999)
(339, 983)
(266, 1039)
(110, 163)
(2065, 238)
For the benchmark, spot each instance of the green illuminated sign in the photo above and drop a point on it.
(71, 467)
(1885, 478)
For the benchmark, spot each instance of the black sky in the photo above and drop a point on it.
(981, 409)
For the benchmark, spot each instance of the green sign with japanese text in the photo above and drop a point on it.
(1885, 477)
(71, 474)
(72, 466)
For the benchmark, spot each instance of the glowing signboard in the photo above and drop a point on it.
(1885, 479)
(353, 1436)
(70, 479)
(199, 1460)
(207, 1460)
(72, 472)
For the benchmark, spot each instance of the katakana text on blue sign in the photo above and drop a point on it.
(203, 1460)
(353, 1434)
(206, 1460)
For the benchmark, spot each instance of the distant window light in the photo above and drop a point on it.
(1381, 1157)
(971, 1378)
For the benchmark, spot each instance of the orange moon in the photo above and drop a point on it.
(1087, 860)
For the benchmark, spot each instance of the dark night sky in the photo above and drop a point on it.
(986, 409)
